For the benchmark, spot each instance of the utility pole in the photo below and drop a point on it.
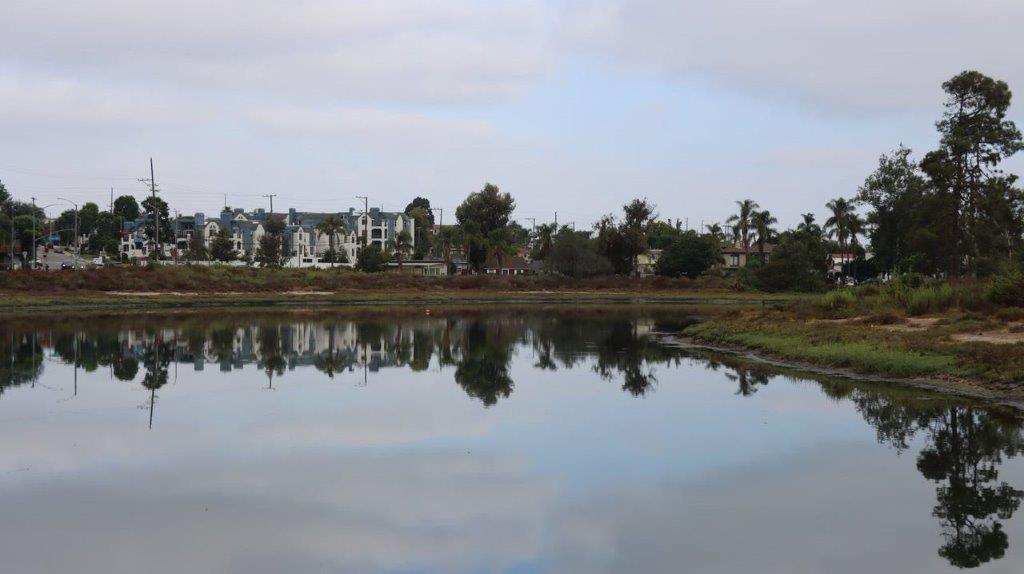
(33, 264)
(556, 220)
(440, 210)
(156, 211)
(111, 200)
(366, 216)
(225, 202)
(271, 196)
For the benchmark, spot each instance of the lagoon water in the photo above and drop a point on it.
(511, 440)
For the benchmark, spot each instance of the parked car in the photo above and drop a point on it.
(67, 265)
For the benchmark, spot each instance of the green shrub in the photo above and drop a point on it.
(837, 300)
(1007, 288)
(930, 299)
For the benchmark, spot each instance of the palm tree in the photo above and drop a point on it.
(741, 221)
(716, 232)
(542, 240)
(447, 238)
(400, 245)
(809, 226)
(330, 226)
(838, 224)
(762, 222)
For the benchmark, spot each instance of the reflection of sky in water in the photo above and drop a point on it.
(409, 473)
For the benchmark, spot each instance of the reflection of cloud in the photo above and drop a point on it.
(358, 512)
(834, 508)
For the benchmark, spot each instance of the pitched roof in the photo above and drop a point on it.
(507, 262)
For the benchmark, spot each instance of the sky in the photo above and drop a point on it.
(572, 106)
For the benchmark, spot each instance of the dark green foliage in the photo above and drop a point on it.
(793, 266)
(127, 208)
(621, 243)
(662, 233)
(1007, 288)
(222, 248)
(481, 215)
(575, 254)
(689, 255)
(157, 213)
(371, 259)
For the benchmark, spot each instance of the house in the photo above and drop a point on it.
(647, 262)
(426, 267)
(305, 245)
(509, 265)
(736, 257)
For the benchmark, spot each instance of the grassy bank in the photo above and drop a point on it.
(948, 334)
(126, 287)
(214, 279)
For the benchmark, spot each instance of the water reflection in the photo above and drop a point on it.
(960, 446)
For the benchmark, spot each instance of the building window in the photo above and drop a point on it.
(734, 260)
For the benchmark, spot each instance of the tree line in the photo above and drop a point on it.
(951, 213)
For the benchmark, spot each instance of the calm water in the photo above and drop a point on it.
(507, 441)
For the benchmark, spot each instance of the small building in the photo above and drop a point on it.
(509, 265)
(736, 256)
(647, 262)
(425, 267)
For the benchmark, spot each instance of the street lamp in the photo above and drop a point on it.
(78, 246)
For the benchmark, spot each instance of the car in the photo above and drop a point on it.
(67, 265)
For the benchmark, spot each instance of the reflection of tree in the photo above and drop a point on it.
(965, 447)
(333, 360)
(748, 380)
(271, 352)
(156, 358)
(21, 359)
(482, 368)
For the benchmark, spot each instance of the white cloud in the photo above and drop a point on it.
(872, 55)
(370, 125)
(460, 51)
(37, 103)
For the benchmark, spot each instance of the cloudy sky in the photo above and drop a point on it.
(572, 106)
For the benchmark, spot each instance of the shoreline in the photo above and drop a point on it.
(961, 388)
(20, 303)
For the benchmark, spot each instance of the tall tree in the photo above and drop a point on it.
(157, 213)
(741, 221)
(222, 248)
(331, 226)
(976, 137)
(127, 208)
(762, 222)
(400, 246)
(907, 222)
(838, 224)
(482, 214)
(268, 254)
(421, 213)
